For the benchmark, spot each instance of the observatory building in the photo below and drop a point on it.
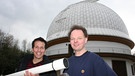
(108, 35)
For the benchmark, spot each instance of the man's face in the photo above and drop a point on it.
(78, 40)
(39, 49)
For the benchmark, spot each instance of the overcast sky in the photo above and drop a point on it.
(29, 19)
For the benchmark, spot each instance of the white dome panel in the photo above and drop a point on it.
(95, 17)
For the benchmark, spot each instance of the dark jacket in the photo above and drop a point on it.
(27, 58)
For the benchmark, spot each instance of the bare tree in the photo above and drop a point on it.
(24, 43)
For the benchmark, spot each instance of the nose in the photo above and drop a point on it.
(38, 49)
(76, 40)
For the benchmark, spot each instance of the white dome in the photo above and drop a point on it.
(95, 17)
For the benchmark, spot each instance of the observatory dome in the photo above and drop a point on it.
(98, 19)
(108, 35)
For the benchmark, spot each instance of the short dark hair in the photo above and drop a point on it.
(78, 27)
(39, 39)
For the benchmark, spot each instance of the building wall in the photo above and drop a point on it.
(108, 60)
(93, 46)
(108, 47)
(58, 49)
(98, 47)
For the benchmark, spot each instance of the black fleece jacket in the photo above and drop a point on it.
(27, 58)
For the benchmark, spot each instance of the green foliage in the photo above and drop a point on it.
(10, 54)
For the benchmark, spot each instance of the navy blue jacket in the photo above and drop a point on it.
(89, 64)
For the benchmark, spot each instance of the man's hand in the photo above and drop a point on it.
(27, 73)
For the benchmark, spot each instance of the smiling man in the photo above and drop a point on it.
(36, 59)
(84, 62)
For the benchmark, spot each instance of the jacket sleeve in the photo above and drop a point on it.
(23, 62)
(101, 68)
(20, 65)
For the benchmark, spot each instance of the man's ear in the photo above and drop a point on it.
(86, 40)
